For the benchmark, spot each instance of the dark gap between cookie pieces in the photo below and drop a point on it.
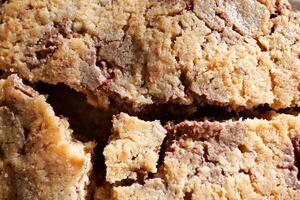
(90, 123)
(87, 122)
(2, 1)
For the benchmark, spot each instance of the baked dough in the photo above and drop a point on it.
(39, 159)
(138, 54)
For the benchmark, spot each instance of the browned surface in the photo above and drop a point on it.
(136, 54)
(245, 159)
(164, 58)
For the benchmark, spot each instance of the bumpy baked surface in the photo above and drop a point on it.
(38, 157)
(245, 159)
(138, 53)
(133, 148)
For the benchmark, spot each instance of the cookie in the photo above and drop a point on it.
(39, 159)
(138, 55)
(132, 151)
(244, 159)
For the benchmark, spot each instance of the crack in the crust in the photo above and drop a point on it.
(44, 54)
(98, 176)
(262, 47)
(185, 83)
(273, 84)
(170, 127)
(104, 64)
(183, 78)
(222, 17)
(189, 6)
(87, 122)
(204, 21)
(228, 24)
(26, 133)
(164, 146)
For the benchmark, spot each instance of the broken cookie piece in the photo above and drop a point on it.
(141, 54)
(39, 159)
(133, 149)
(245, 159)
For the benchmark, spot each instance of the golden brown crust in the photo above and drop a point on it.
(140, 53)
(38, 157)
(133, 149)
(245, 159)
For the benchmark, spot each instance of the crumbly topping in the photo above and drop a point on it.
(134, 54)
(245, 159)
